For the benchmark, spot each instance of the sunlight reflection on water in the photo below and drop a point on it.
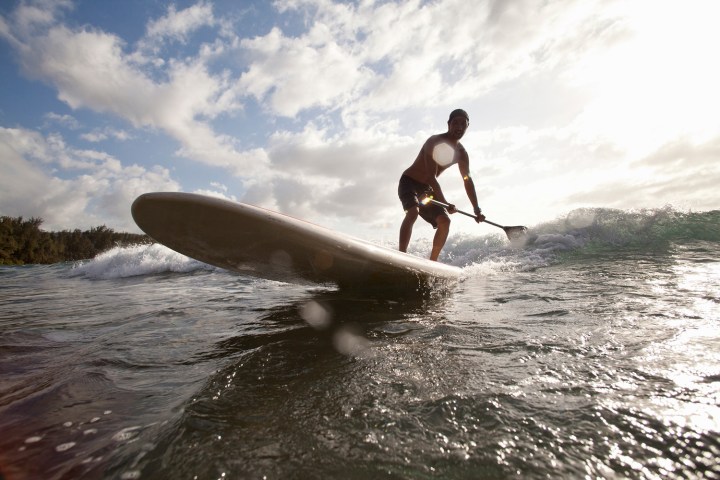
(602, 366)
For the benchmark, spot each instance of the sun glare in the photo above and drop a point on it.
(661, 82)
(443, 154)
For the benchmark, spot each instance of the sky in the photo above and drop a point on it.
(315, 107)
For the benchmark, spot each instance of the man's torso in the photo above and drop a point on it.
(425, 167)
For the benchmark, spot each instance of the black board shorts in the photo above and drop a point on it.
(410, 191)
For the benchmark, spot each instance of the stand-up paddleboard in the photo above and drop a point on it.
(266, 244)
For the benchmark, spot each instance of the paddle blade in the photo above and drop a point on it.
(516, 233)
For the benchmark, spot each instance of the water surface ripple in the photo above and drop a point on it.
(604, 364)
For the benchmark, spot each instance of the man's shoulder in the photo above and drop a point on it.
(435, 139)
(430, 144)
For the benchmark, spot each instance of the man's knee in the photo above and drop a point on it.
(412, 213)
(443, 221)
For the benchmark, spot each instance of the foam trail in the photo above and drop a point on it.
(122, 262)
(583, 231)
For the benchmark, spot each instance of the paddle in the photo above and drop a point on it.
(513, 233)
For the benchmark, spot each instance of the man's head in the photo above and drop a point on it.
(458, 122)
(459, 112)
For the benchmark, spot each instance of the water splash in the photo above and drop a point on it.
(609, 228)
(583, 232)
(122, 262)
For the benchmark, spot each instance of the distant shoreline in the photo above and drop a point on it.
(22, 242)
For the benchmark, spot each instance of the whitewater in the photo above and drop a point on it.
(593, 352)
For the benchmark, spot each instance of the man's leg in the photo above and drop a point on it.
(411, 214)
(441, 235)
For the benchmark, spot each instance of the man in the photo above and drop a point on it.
(420, 180)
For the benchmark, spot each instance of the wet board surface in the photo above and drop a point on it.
(261, 243)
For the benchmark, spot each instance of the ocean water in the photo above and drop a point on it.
(592, 353)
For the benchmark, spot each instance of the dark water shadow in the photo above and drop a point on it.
(258, 415)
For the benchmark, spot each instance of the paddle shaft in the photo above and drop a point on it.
(446, 205)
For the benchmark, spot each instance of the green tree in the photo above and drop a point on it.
(22, 241)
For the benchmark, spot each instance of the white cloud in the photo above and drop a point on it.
(32, 16)
(566, 99)
(101, 134)
(90, 70)
(338, 164)
(217, 194)
(67, 187)
(65, 120)
(381, 57)
(681, 173)
(177, 25)
(371, 59)
(296, 74)
(660, 84)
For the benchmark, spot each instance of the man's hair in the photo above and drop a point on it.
(459, 112)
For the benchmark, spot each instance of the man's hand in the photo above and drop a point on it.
(479, 217)
(451, 208)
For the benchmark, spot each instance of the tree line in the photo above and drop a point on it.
(22, 242)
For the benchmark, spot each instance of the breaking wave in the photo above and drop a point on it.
(582, 232)
(122, 262)
(585, 232)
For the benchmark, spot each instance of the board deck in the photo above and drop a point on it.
(254, 241)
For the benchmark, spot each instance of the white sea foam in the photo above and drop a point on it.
(121, 262)
(492, 254)
(583, 231)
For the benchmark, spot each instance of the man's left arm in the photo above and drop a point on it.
(464, 166)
